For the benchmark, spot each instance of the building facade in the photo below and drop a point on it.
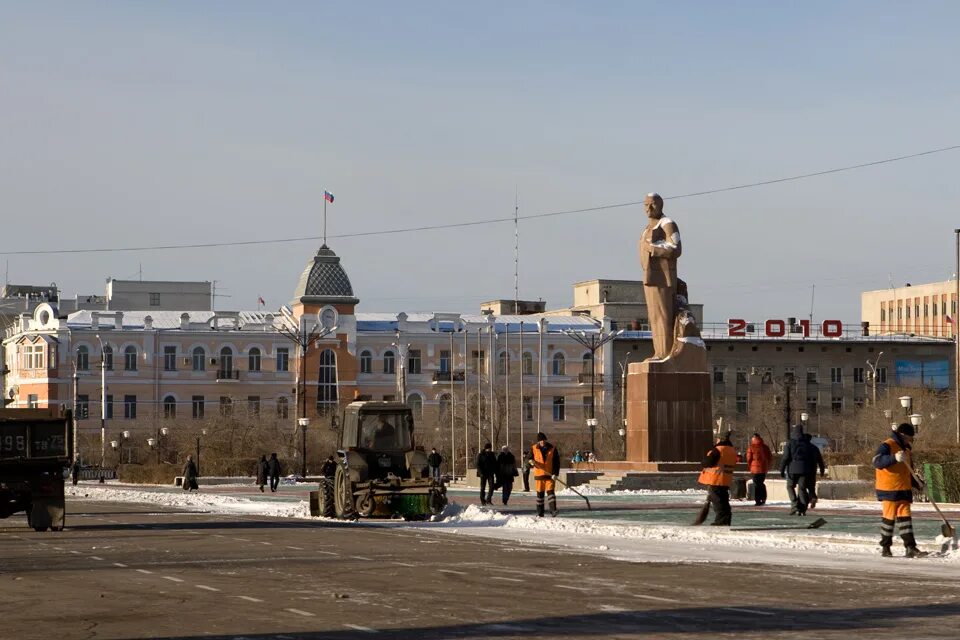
(922, 310)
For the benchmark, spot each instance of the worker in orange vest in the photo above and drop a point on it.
(546, 465)
(895, 483)
(717, 475)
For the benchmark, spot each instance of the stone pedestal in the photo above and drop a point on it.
(669, 414)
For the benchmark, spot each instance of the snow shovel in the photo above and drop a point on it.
(816, 524)
(702, 516)
(589, 508)
(946, 529)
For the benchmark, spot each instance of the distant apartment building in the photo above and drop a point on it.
(918, 309)
(620, 301)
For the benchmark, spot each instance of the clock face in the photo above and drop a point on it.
(328, 318)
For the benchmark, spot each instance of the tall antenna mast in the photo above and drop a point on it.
(813, 291)
(516, 251)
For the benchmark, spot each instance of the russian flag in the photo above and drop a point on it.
(328, 196)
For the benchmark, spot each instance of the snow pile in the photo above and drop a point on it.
(200, 501)
(588, 490)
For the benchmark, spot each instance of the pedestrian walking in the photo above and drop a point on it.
(894, 484)
(434, 460)
(263, 468)
(794, 465)
(576, 459)
(273, 468)
(527, 465)
(190, 475)
(506, 472)
(546, 465)
(717, 475)
(758, 463)
(75, 471)
(591, 461)
(815, 462)
(329, 468)
(487, 470)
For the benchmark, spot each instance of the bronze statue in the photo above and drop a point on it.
(659, 249)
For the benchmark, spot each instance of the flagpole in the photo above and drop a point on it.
(324, 219)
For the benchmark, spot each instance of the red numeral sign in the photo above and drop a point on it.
(776, 328)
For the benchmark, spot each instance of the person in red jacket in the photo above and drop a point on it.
(758, 461)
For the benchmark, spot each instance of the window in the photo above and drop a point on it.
(718, 374)
(253, 405)
(366, 362)
(559, 365)
(415, 403)
(858, 375)
(789, 375)
(478, 362)
(859, 402)
(527, 409)
(414, 361)
(169, 358)
(33, 356)
(587, 407)
(154, 299)
(502, 361)
(33, 401)
(129, 407)
(883, 314)
(283, 408)
(83, 358)
(813, 375)
(559, 412)
(882, 375)
(908, 312)
(766, 375)
(389, 362)
(586, 364)
(836, 375)
(445, 408)
(169, 408)
(199, 359)
(253, 359)
(444, 361)
(109, 407)
(327, 382)
(226, 362)
(82, 410)
(811, 403)
(526, 363)
(226, 406)
(935, 307)
(130, 358)
(926, 310)
(283, 359)
(741, 375)
(836, 404)
(197, 402)
(742, 405)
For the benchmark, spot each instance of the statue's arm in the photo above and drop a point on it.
(670, 247)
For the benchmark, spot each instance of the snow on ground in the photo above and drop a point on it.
(587, 490)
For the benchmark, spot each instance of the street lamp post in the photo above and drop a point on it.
(907, 403)
(202, 432)
(874, 366)
(124, 436)
(103, 406)
(592, 341)
(623, 393)
(303, 423)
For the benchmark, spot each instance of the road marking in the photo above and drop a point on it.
(301, 613)
(145, 571)
(357, 627)
(569, 586)
(458, 573)
(76, 553)
(267, 543)
(96, 557)
(755, 611)
(657, 598)
(203, 586)
(328, 553)
(249, 599)
(219, 535)
(404, 564)
(361, 558)
(119, 564)
(506, 579)
(241, 540)
(297, 548)
(172, 579)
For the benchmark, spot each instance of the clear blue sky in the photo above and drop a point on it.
(151, 123)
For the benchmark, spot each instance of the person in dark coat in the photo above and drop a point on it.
(434, 460)
(262, 471)
(797, 460)
(75, 471)
(190, 475)
(487, 470)
(273, 468)
(815, 462)
(527, 465)
(506, 472)
(329, 468)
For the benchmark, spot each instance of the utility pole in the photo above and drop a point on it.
(956, 335)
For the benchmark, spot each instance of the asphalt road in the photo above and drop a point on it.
(133, 571)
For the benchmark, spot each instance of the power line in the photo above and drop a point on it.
(474, 223)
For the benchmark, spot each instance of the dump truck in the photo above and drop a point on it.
(381, 472)
(35, 451)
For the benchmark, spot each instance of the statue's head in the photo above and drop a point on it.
(653, 205)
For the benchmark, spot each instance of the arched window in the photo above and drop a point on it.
(587, 363)
(527, 364)
(327, 382)
(445, 408)
(389, 362)
(502, 363)
(226, 362)
(83, 358)
(108, 357)
(199, 359)
(283, 408)
(559, 365)
(169, 407)
(130, 358)
(415, 402)
(366, 362)
(253, 359)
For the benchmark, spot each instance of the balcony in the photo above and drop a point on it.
(228, 374)
(445, 376)
(587, 377)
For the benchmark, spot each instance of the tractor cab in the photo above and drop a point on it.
(382, 434)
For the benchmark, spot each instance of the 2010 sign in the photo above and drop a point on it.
(776, 328)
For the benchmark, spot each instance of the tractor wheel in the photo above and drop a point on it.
(366, 505)
(343, 495)
(327, 509)
(437, 502)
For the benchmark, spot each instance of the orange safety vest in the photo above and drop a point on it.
(720, 475)
(896, 477)
(543, 465)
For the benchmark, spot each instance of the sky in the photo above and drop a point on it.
(130, 124)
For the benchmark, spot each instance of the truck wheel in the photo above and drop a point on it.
(343, 495)
(326, 498)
